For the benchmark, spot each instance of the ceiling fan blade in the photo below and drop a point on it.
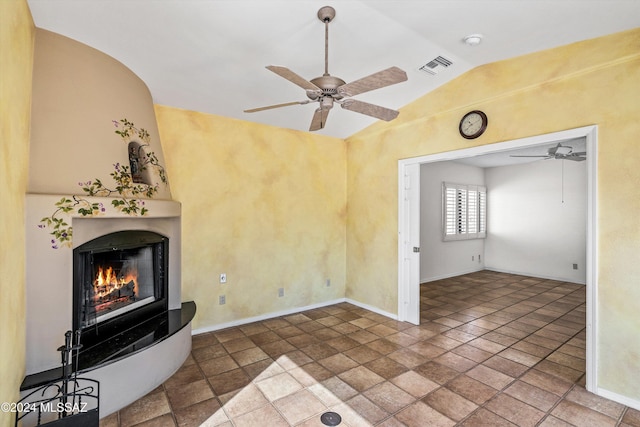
(378, 80)
(574, 158)
(529, 156)
(319, 119)
(372, 110)
(294, 78)
(269, 107)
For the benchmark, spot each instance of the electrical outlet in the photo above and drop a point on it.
(575, 266)
(280, 292)
(478, 257)
(328, 282)
(222, 300)
(473, 258)
(223, 277)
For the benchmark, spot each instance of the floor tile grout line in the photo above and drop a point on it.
(532, 333)
(270, 402)
(558, 402)
(560, 399)
(485, 403)
(558, 305)
(527, 370)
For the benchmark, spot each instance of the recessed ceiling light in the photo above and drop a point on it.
(473, 39)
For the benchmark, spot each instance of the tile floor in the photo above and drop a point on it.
(493, 349)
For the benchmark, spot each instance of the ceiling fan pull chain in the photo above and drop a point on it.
(562, 181)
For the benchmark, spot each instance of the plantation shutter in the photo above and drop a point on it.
(472, 211)
(482, 212)
(464, 211)
(450, 211)
(461, 211)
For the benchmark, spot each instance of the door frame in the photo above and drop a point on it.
(408, 287)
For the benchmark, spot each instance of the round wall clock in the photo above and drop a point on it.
(473, 124)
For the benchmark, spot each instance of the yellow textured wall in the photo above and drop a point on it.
(16, 57)
(591, 82)
(264, 205)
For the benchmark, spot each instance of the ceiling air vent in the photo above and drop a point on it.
(433, 67)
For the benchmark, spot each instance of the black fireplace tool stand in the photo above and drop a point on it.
(66, 402)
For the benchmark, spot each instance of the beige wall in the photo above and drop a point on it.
(77, 92)
(264, 205)
(16, 57)
(592, 82)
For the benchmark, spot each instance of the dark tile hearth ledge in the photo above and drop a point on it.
(125, 344)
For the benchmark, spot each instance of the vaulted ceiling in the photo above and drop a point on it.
(210, 55)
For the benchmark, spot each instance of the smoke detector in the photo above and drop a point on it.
(473, 39)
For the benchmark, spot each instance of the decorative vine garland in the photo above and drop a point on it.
(126, 188)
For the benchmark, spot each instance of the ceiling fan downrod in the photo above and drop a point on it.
(326, 15)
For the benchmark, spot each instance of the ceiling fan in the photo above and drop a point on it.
(561, 152)
(327, 90)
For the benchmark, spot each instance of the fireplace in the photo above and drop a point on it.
(131, 345)
(120, 282)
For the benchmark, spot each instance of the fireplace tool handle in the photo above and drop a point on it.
(65, 351)
(74, 366)
(69, 368)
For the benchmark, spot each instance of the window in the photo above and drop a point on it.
(464, 211)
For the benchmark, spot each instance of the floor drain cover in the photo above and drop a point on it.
(330, 419)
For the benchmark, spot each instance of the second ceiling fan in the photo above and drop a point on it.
(327, 89)
(560, 152)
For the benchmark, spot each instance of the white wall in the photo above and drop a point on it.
(530, 230)
(440, 259)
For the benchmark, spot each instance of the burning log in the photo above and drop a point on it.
(109, 285)
(128, 290)
(113, 293)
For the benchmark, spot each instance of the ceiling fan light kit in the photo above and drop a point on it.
(328, 89)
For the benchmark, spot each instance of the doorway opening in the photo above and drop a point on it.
(409, 227)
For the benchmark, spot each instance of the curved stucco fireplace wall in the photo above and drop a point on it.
(77, 93)
(80, 97)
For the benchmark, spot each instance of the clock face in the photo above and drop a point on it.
(473, 124)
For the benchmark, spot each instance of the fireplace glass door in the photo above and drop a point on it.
(120, 281)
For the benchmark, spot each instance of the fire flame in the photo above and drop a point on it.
(107, 281)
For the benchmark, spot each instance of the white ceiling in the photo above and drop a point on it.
(209, 55)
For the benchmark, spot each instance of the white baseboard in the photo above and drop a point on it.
(631, 403)
(541, 276)
(448, 275)
(290, 311)
(267, 316)
(500, 270)
(371, 308)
